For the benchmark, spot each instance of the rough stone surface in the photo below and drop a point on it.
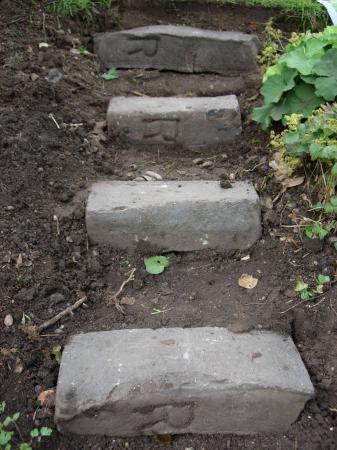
(177, 48)
(193, 123)
(174, 380)
(173, 215)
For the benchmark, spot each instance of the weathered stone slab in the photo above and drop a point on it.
(173, 215)
(194, 123)
(174, 380)
(177, 48)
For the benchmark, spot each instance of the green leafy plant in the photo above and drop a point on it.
(314, 140)
(111, 74)
(156, 264)
(8, 438)
(303, 78)
(83, 8)
(317, 230)
(57, 352)
(305, 293)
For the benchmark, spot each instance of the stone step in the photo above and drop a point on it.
(193, 123)
(173, 215)
(180, 49)
(174, 380)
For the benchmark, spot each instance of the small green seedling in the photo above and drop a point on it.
(83, 51)
(156, 264)
(318, 230)
(302, 289)
(57, 352)
(111, 74)
(320, 282)
(7, 437)
(25, 319)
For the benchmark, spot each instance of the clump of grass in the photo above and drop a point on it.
(82, 8)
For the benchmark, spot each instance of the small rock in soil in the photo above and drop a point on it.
(8, 320)
(154, 175)
(56, 298)
(54, 75)
(313, 245)
(198, 161)
(207, 165)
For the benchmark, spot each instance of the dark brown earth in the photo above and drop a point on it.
(53, 146)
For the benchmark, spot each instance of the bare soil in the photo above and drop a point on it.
(53, 146)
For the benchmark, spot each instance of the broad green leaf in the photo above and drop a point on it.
(276, 85)
(326, 87)
(329, 152)
(310, 79)
(5, 437)
(302, 100)
(327, 65)
(276, 69)
(315, 150)
(300, 286)
(291, 138)
(261, 114)
(156, 264)
(335, 245)
(299, 59)
(323, 279)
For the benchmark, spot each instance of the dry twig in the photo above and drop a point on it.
(69, 310)
(114, 299)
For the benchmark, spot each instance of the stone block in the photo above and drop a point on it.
(178, 48)
(193, 123)
(174, 380)
(173, 215)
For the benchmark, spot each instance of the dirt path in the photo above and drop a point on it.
(53, 146)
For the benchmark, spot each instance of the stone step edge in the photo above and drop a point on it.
(168, 216)
(180, 49)
(180, 380)
(187, 122)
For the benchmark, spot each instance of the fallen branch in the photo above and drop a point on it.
(69, 310)
(114, 298)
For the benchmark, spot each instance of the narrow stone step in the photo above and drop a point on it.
(174, 380)
(193, 123)
(173, 215)
(180, 49)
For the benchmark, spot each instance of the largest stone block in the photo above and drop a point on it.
(193, 123)
(177, 48)
(173, 215)
(173, 380)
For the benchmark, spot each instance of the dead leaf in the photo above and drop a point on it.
(18, 366)
(247, 281)
(292, 182)
(128, 300)
(99, 127)
(47, 398)
(31, 331)
(164, 439)
(8, 320)
(245, 258)
(19, 261)
(281, 170)
(267, 201)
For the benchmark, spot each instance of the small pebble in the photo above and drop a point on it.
(154, 175)
(138, 179)
(198, 161)
(232, 176)
(8, 320)
(207, 165)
